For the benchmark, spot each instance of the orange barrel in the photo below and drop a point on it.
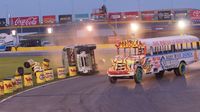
(48, 74)
(61, 72)
(1, 88)
(72, 71)
(28, 80)
(40, 78)
(14, 84)
(19, 84)
(8, 86)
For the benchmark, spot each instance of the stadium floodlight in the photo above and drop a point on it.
(134, 27)
(14, 32)
(182, 24)
(49, 30)
(89, 28)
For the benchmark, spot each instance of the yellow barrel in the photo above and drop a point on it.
(14, 84)
(1, 88)
(61, 73)
(40, 77)
(49, 76)
(19, 84)
(72, 71)
(28, 80)
(8, 86)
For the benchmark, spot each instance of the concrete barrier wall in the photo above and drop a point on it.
(54, 48)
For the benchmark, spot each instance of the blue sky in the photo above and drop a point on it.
(56, 7)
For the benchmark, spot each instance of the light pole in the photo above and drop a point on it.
(14, 33)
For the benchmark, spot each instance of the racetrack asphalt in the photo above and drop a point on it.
(96, 94)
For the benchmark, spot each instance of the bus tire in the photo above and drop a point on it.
(112, 80)
(181, 70)
(138, 75)
(160, 74)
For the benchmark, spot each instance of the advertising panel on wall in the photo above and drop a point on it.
(180, 14)
(164, 15)
(65, 18)
(2, 22)
(195, 16)
(130, 15)
(50, 19)
(24, 21)
(147, 15)
(115, 16)
(81, 17)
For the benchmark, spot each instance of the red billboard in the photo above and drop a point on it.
(147, 15)
(24, 21)
(115, 16)
(130, 15)
(195, 14)
(51, 19)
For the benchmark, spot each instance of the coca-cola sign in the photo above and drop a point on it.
(24, 21)
(195, 15)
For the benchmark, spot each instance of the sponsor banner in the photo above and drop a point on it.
(130, 15)
(147, 15)
(115, 16)
(180, 14)
(65, 18)
(2, 22)
(195, 14)
(81, 17)
(164, 15)
(24, 21)
(51, 19)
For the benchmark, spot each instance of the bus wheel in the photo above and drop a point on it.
(181, 70)
(112, 80)
(160, 74)
(138, 75)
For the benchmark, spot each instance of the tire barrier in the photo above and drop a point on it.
(8, 86)
(72, 71)
(78, 59)
(40, 78)
(1, 88)
(48, 74)
(28, 80)
(19, 82)
(61, 73)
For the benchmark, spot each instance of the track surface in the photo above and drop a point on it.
(96, 94)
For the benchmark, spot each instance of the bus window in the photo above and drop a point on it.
(155, 50)
(189, 46)
(194, 45)
(184, 46)
(181, 47)
(198, 46)
(173, 48)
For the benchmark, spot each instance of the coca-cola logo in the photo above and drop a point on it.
(196, 13)
(25, 21)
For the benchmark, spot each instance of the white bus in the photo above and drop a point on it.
(153, 56)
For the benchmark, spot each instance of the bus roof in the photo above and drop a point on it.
(169, 40)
